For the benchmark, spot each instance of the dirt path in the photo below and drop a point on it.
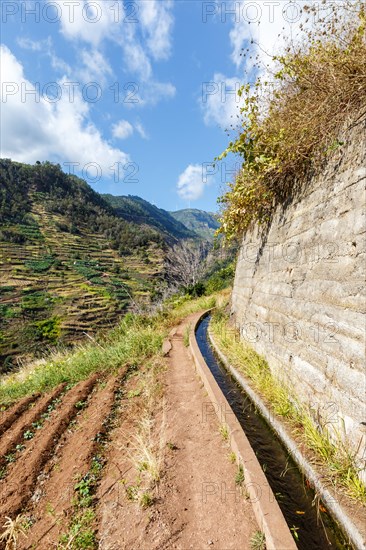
(195, 504)
(199, 505)
(204, 507)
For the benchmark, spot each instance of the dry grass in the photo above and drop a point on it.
(12, 530)
(146, 446)
(134, 340)
(291, 125)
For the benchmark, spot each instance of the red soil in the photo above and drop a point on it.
(196, 504)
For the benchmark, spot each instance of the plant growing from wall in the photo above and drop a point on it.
(291, 124)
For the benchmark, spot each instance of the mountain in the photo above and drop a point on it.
(202, 223)
(137, 210)
(71, 260)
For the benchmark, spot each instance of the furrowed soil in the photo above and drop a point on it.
(7, 418)
(191, 501)
(50, 506)
(23, 422)
(16, 488)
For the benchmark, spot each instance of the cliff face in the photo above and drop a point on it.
(299, 293)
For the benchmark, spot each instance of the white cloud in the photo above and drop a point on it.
(142, 29)
(270, 25)
(192, 182)
(157, 22)
(220, 102)
(136, 60)
(263, 27)
(89, 21)
(61, 131)
(33, 45)
(122, 129)
(45, 47)
(59, 64)
(95, 67)
(153, 91)
(141, 130)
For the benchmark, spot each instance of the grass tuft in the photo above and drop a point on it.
(224, 431)
(12, 530)
(240, 477)
(134, 340)
(187, 331)
(258, 541)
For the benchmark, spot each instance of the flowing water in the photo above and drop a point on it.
(308, 520)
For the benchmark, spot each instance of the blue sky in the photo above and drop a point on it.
(136, 93)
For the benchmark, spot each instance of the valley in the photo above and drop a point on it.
(71, 263)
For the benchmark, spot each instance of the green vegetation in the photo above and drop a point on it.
(240, 477)
(145, 450)
(337, 459)
(187, 331)
(41, 264)
(232, 457)
(224, 431)
(203, 223)
(293, 123)
(138, 210)
(49, 329)
(132, 341)
(219, 277)
(81, 533)
(135, 339)
(69, 196)
(73, 262)
(258, 541)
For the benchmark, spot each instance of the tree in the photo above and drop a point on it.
(185, 262)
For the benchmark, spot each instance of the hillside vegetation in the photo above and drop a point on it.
(134, 339)
(137, 210)
(203, 223)
(71, 262)
(294, 118)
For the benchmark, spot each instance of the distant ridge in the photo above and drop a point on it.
(140, 211)
(203, 223)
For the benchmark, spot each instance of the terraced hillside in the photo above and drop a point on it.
(68, 264)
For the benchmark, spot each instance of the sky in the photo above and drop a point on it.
(133, 96)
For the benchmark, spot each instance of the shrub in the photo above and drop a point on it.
(290, 127)
(49, 329)
(41, 264)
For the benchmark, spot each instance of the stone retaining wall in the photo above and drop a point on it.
(299, 293)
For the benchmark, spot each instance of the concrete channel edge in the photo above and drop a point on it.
(346, 524)
(266, 509)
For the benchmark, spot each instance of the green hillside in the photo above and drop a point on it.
(203, 223)
(135, 209)
(69, 263)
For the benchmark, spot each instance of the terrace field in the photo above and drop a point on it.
(69, 264)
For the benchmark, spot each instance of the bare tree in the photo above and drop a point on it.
(185, 262)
